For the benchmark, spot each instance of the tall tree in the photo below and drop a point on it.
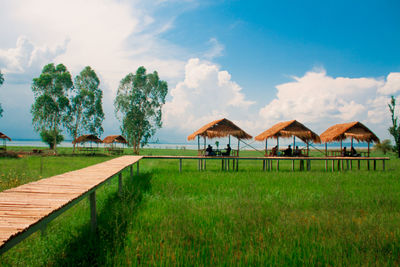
(138, 104)
(1, 82)
(51, 107)
(86, 105)
(394, 130)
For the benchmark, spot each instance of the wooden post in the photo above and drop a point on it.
(351, 144)
(205, 164)
(374, 164)
(326, 165)
(131, 170)
(383, 164)
(277, 144)
(198, 153)
(294, 142)
(358, 164)
(237, 164)
(93, 216)
(308, 149)
(341, 146)
(342, 164)
(264, 165)
(368, 164)
(326, 149)
(271, 164)
(333, 165)
(368, 150)
(137, 168)
(277, 165)
(308, 165)
(351, 164)
(180, 165)
(120, 183)
(301, 165)
(222, 164)
(238, 146)
(266, 147)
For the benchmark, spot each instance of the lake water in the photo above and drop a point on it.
(246, 145)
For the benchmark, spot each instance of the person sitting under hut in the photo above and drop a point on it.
(274, 151)
(354, 153)
(344, 152)
(228, 151)
(288, 152)
(296, 152)
(209, 151)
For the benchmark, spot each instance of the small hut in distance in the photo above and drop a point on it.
(219, 128)
(288, 129)
(354, 130)
(88, 138)
(5, 138)
(111, 141)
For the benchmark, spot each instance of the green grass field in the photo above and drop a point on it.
(215, 218)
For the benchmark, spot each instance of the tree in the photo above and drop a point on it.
(51, 107)
(86, 105)
(394, 130)
(48, 138)
(1, 82)
(384, 146)
(138, 104)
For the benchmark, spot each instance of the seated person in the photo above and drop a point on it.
(209, 151)
(344, 152)
(274, 151)
(288, 152)
(297, 152)
(228, 151)
(353, 152)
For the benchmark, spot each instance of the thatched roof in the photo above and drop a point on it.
(347, 130)
(220, 128)
(87, 138)
(289, 129)
(3, 136)
(115, 138)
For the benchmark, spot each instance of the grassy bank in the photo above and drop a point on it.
(221, 218)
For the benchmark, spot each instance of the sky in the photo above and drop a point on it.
(254, 62)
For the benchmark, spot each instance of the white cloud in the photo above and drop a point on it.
(320, 101)
(206, 94)
(215, 50)
(392, 84)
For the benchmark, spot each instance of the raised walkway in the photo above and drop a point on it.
(30, 207)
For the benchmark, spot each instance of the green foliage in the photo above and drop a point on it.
(51, 107)
(47, 136)
(1, 82)
(384, 146)
(138, 104)
(86, 105)
(394, 130)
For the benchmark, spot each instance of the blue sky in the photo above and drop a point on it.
(254, 62)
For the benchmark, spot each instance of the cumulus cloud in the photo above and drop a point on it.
(206, 93)
(320, 100)
(27, 56)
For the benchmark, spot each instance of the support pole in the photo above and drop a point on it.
(326, 165)
(120, 183)
(264, 165)
(266, 147)
(326, 149)
(131, 170)
(137, 168)
(333, 165)
(93, 216)
(368, 164)
(358, 163)
(292, 165)
(368, 150)
(237, 164)
(277, 165)
(308, 165)
(374, 164)
(383, 164)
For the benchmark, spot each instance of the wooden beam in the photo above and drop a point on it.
(93, 214)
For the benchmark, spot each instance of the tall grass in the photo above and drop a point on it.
(220, 218)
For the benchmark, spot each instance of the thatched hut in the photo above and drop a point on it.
(217, 129)
(289, 129)
(354, 130)
(111, 142)
(88, 138)
(5, 138)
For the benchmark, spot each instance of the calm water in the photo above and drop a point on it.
(248, 145)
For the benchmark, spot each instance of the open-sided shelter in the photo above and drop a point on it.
(5, 138)
(111, 142)
(289, 129)
(219, 128)
(87, 138)
(354, 130)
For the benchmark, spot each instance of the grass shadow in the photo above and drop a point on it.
(91, 249)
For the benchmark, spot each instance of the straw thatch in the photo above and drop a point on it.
(3, 136)
(114, 139)
(289, 129)
(354, 129)
(87, 138)
(220, 128)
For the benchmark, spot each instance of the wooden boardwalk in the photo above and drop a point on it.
(29, 207)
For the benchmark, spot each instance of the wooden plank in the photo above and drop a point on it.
(30, 207)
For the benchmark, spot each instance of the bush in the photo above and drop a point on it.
(48, 138)
(384, 146)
